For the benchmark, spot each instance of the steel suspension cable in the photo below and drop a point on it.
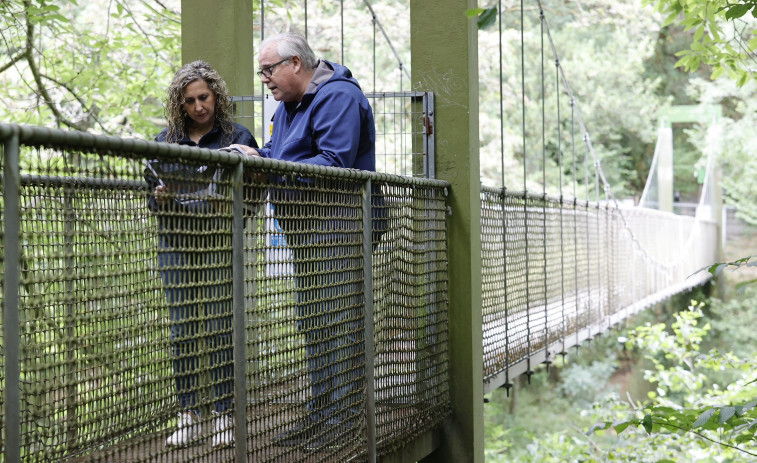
(374, 51)
(386, 37)
(544, 184)
(507, 384)
(588, 241)
(575, 204)
(262, 85)
(529, 371)
(587, 141)
(523, 91)
(562, 209)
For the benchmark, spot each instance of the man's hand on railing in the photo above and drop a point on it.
(258, 177)
(248, 150)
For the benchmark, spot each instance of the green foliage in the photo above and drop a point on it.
(717, 268)
(723, 35)
(687, 399)
(95, 66)
(487, 17)
(701, 407)
(602, 47)
(582, 384)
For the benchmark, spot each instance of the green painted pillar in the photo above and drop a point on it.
(665, 170)
(444, 54)
(221, 33)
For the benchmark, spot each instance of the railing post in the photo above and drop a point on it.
(72, 416)
(451, 72)
(11, 282)
(370, 385)
(240, 341)
(221, 34)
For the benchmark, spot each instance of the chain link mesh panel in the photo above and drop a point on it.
(127, 305)
(411, 302)
(557, 272)
(306, 347)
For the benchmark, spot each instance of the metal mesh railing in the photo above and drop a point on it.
(404, 123)
(556, 272)
(238, 300)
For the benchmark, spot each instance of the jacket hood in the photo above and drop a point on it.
(326, 73)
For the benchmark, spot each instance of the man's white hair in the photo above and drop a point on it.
(289, 44)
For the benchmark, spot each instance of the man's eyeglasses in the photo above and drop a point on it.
(267, 71)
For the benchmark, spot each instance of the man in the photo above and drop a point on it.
(324, 119)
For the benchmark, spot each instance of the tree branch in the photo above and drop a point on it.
(87, 110)
(13, 60)
(37, 77)
(158, 12)
(707, 438)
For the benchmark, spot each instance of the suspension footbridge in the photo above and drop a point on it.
(469, 287)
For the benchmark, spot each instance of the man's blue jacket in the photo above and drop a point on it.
(332, 125)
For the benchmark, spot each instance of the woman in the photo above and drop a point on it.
(192, 232)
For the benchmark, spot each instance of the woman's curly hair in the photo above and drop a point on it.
(178, 119)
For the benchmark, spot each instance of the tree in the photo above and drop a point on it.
(723, 35)
(603, 47)
(97, 66)
(688, 398)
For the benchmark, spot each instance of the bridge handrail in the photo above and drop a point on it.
(135, 148)
(88, 278)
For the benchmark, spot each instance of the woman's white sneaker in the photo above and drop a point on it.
(223, 435)
(188, 431)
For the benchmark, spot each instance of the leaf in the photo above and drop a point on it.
(698, 33)
(474, 12)
(743, 438)
(694, 64)
(620, 427)
(743, 79)
(717, 72)
(669, 20)
(703, 418)
(745, 408)
(737, 11)
(599, 427)
(487, 18)
(726, 413)
(716, 269)
(681, 63)
(647, 423)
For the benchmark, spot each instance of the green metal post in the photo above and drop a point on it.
(370, 384)
(239, 320)
(665, 172)
(11, 283)
(221, 33)
(451, 72)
